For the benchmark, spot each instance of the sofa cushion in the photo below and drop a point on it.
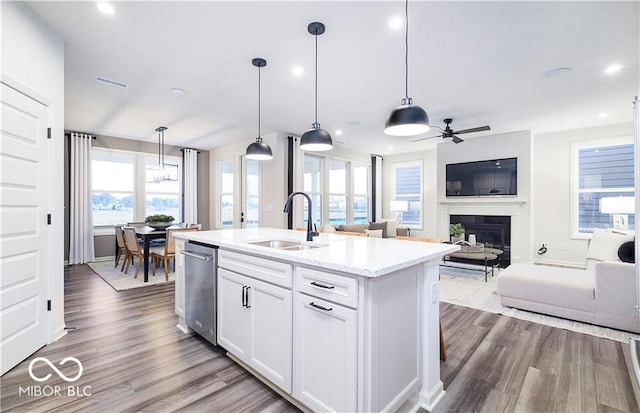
(604, 244)
(391, 226)
(352, 227)
(374, 233)
(627, 252)
(555, 286)
(380, 226)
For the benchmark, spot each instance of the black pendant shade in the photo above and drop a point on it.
(316, 139)
(406, 119)
(259, 150)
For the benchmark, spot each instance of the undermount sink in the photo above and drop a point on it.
(286, 245)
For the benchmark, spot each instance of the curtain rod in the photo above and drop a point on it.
(193, 149)
(68, 134)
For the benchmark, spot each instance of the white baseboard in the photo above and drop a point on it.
(428, 401)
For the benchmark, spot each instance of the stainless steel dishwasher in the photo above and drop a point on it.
(201, 266)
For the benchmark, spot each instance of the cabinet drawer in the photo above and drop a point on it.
(333, 287)
(274, 272)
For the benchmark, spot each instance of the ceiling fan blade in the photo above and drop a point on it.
(429, 137)
(456, 139)
(478, 129)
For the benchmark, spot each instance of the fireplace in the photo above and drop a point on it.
(494, 231)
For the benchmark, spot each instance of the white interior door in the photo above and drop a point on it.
(250, 212)
(23, 227)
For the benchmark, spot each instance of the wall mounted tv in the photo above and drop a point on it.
(493, 177)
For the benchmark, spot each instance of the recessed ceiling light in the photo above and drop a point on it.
(338, 132)
(603, 115)
(390, 148)
(297, 70)
(614, 68)
(178, 92)
(105, 8)
(396, 22)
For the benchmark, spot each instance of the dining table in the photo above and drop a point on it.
(146, 234)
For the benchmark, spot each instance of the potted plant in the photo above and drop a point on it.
(457, 232)
(159, 221)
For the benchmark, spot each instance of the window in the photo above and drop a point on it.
(407, 186)
(226, 193)
(360, 194)
(338, 196)
(602, 170)
(312, 185)
(120, 193)
(252, 193)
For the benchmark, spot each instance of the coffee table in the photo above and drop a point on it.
(490, 257)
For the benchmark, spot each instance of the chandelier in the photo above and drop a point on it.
(162, 172)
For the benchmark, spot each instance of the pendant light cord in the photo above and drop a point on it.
(259, 137)
(316, 35)
(406, 49)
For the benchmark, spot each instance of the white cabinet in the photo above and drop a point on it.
(255, 325)
(179, 286)
(325, 358)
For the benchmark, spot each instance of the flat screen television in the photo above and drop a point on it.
(493, 177)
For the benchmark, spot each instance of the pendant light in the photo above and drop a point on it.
(163, 171)
(316, 139)
(259, 150)
(407, 119)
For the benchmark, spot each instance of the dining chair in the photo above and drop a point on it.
(131, 241)
(122, 247)
(443, 348)
(167, 252)
(136, 224)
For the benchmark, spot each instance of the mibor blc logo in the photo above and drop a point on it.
(57, 391)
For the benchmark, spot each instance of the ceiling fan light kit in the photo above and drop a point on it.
(407, 119)
(316, 139)
(259, 150)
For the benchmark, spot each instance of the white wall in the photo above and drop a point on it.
(33, 56)
(552, 191)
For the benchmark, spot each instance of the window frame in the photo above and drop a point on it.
(393, 194)
(220, 194)
(139, 185)
(576, 146)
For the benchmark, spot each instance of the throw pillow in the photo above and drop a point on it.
(353, 227)
(374, 233)
(604, 244)
(391, 226)
(328, 228)
(627, 252)
(380, 226)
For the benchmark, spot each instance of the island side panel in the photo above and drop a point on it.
(432, 390)
(180, 299)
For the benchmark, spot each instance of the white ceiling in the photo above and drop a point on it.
(481, 63)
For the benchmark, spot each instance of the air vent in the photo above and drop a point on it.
(111, 82)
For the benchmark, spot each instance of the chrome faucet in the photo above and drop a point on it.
(287, 208)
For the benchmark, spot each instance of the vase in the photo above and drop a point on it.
(457, 238)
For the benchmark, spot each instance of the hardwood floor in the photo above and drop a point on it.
(135, 359)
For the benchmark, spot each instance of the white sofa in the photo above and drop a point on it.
(604, 293)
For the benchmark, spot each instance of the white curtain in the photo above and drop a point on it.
(81, 248)
(190, 165)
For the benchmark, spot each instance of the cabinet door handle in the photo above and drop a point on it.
(328, 287)
(247, 297)
(244, 302)
(319, 307)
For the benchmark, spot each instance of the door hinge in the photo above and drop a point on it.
(48, 219)
(48, 305)
(48, 133)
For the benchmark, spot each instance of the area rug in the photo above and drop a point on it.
(120, 281)
(467, 288)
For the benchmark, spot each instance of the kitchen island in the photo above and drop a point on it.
(338, 324)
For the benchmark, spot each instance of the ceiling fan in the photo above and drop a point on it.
(447, 132)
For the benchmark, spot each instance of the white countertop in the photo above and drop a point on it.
(365, 256)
